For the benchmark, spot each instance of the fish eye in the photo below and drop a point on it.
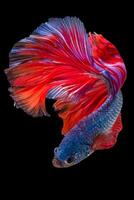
(55, 150)
(70, 160)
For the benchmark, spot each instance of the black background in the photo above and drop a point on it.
(28, 143)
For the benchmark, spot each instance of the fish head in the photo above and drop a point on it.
(71, 151)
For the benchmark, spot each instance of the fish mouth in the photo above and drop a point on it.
(60, 164)
(64, 164)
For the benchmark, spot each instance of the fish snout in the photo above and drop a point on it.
(61, 164)
(57, 163)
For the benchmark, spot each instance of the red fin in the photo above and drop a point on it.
(108, 139)
(56, 62)
(107, 57)
(59, 61)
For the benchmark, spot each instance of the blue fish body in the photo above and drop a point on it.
(81, 137)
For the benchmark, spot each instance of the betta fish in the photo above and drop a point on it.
(83, 73)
